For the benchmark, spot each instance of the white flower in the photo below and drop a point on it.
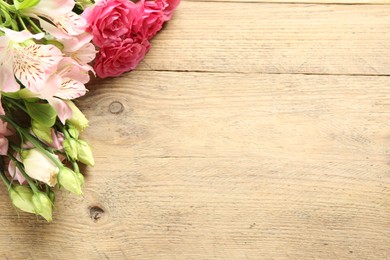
(39, 167)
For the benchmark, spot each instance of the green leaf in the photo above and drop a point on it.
(41, 131)
(43, 114)
(20, 5)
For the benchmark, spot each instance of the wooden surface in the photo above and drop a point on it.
(251, 131)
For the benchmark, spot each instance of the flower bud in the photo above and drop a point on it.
(78, 119)
(71, 148)
(52, 196)
(43, 205)
(21, 197)
(81, 178)
(70, 181)
(39, 167)
(73, 131)
(41, 131)
(85, 153)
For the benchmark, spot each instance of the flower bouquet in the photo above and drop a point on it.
(49, 49)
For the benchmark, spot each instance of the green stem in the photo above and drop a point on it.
(22, 22)
(34, 141)
(15, 148)
(75, 167)
(15, 103)
(7, 6)
(21, 169)
(5, 179)
(33, 25)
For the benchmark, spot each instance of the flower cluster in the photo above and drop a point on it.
(48, 51)
(122, 30)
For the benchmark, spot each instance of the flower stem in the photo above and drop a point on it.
(75, 167)
(22, 22)
(15, 103)
(34, 141)
(5, 179)
(33, 25)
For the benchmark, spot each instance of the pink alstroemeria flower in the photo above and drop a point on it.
(66, 83)
(59, 12)
(29, 62)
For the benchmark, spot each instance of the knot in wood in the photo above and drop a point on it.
(116, 107)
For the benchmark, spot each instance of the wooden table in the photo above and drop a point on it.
(253, 130)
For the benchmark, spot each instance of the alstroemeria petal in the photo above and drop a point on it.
(70, 23)
(53, 7)
(71, 89)
(7, 79)
(33, 62)
(22, 36)
(64, 112)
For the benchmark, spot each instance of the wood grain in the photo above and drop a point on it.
(352, 2)
(275, 38)
(225, 145)
(225, 166)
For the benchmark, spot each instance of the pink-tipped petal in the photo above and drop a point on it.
(64, 112)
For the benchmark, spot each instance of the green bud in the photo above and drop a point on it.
(21, 197)
(85, 153)
(81, 178)
(71, 148)
(73, 131)
(41, 131)
(70, 181)
(52, 196)
(43, 205)
(78, 119)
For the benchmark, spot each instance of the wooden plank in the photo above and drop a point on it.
(353, 2)
(275, 38)
(224, 166)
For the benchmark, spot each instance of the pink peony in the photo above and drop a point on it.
(170, 8)
(120, 57)
(110, 20)
(152, 18)
(154, 14)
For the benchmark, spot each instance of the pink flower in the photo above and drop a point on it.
(152, 17)
(110, 20)
(29, 63)
(14, 171)
(170, 8)
(4, 132)
(120, 57)
(57, 140)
